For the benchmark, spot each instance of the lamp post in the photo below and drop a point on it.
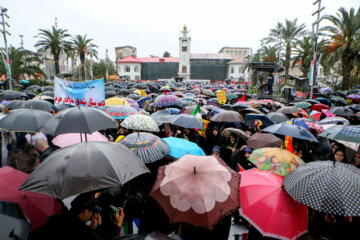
(4, 32)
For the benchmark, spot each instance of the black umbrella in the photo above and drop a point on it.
(30, 94)
(312, 101)
(288, 110)
(11, 95)
(16, 104)
(84, 167)
(47, 93)
(33, 88)
(326, 186)
(110, 88)
(186, 121)
(342, 111)
(277, 117)
(251, 118)
(78, 120)
(292, 130)
(146, 146)
(48, 88)
(24, 120)
(134, 96)
(39, 105)
(61, 107)
(109, 94)
(339, 100)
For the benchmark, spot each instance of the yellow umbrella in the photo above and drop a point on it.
(116, 101)
(140, 92)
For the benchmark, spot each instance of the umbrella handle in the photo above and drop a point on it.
(179, 230)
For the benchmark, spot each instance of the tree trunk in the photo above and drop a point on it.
(346, 66)
(287, 61)
(57, 65)
(82, 60)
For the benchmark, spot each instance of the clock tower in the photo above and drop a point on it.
(184, 54)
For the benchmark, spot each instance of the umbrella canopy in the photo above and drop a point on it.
(78, 120)
(342, 111)
(146, 146)
(288, 110)
(39, 105)
(120, 112)
(277, 117)
(240, 133)
(349, 133)
(276, 160)
(167, 100)
(37, 207)
(180, 146)
(116, 101)
(190, 109)
(84, 167)
(61, 107)
(303, 105)
(208, 92)
(141, 123)
(11, 95)
(132, 102)
(326, 186)
(162, 116)
(24, 120)
(325, 89)
(67, 139)
(231, 96)
(251, 118)
(227, 116)
(338, 100)
(292, 130)
(187, 121)
(267, 206)
(134, 96)
(319, 107)
(197, 190)
(261, 140)
(47, 93)
(335, 120)
(16, 104)
(48, 88)
(324, 101)
(354, 97)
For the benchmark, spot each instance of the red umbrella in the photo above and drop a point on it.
(197, 190)
(37, 207)
(319, 107)
(267, 206)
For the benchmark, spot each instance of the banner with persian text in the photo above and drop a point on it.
(87, 93)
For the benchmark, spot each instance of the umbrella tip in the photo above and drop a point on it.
(194, 169)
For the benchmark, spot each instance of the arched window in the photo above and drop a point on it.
(127, 68)
(136, 69)
(184, 69)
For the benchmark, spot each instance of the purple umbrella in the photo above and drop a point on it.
(132, 102)
(167, 100)
(354, 97)
(326, 89)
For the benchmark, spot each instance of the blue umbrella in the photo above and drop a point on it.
(292, 130)
(299, 122)
(173, 111)
(187, 121)
(324, 101)
(251, 117)
(142, 100)
(180, 146)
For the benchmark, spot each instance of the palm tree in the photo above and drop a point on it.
(22, 62)
(82, 47)
(345, 48)
(269, 54)
(101, 67)
(55, 40)
(304, 52)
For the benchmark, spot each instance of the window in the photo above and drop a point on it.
(119, 69)
(184, 49)
(240, 69)
(127, 68)
(136, 69)
(232, 70)
(184, 69)
(137, 77)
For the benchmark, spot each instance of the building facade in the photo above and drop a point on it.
(125, 51)
(236, 69)
(184, 55)
(236, 51)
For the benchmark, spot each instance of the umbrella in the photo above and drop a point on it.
(339, 100)
(288, 110)
(162, 116)
(61, 107)
(109, 94)
(325, 89)
(317, 115)
(67, 139)
(355, 107)
(116, 101)
(354, 97)
(78, 120)
(141, 123)
(120, 112)
(326, 186)
(227, 116)
(298, 122)
(47, 93)
(132, 102)
(319, 107)
(34, 88)
(30, 94)
(251, 118)
(276, 160)
(277, 117)
(312, 101)
(141, 101)
(134, 96)
(180, 146)
(260, 140)
(190, 109)
(318, 127)
(342, 111)
(302, 105)
(11, 95)
(324, 101)
(16, 104)
(197, 190)
(37, 207)
(146, 146)
(187, 121)
(84, 167)
(39, 105)
(208, 92)
(267, 206)
(231, 96)
(24, 120)
(334, 120)
(240, 105)
(240, 133)
(291, 130)
(349, 133)
(48, 88)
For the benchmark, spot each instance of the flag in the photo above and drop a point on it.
(7, 67)
(243, 98)
(288, 144)
(197, 112)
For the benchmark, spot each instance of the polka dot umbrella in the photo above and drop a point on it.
(326, 186)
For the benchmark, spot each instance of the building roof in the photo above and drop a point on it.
(233, 48)
(237, 60)
(211, 56)
(127, 46)
(129, 59)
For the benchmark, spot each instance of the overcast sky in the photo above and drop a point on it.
(154, 26)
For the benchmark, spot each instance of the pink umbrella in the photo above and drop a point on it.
(327, 113)
(67, 139)
(269, 208)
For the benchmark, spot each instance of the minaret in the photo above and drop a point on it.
(184, 54)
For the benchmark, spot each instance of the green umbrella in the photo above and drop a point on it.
(209, 92)
(231, 96)
(303, 105)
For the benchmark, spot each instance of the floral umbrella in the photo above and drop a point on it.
(140, 122)
(167, 100)
(199, 190)
(120, 112)
(276, 160)
(116, 101)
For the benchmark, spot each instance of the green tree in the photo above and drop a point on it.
(83, 46)
(55, 40)
(166, 54)
(22, 62)
(344, 34)
(101, 66)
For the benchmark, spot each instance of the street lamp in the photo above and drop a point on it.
(4, 32)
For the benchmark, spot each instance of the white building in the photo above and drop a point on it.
(184, 55)
(125, 51)
(129, 67)
(236, 51)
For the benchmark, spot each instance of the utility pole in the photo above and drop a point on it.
(4, 32)
(22, 40)
(316, 32)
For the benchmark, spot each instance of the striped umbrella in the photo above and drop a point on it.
(146, 146)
